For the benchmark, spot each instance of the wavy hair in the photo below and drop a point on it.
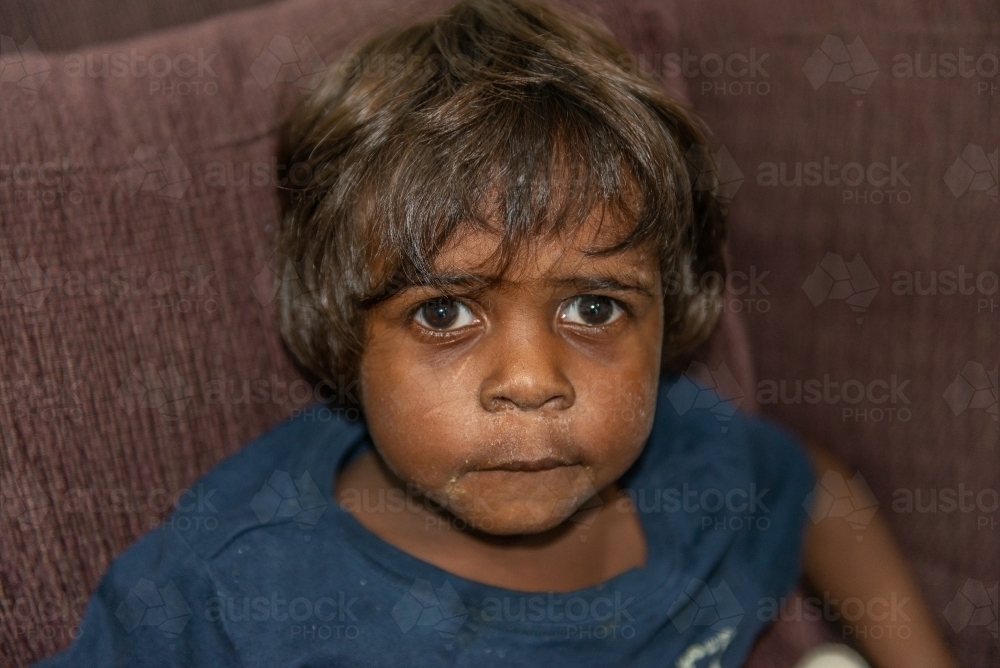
(510, 115)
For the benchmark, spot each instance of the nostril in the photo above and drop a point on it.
(502, 403)
(499, 397)
(556, 402)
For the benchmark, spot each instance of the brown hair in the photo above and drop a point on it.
(506, 114)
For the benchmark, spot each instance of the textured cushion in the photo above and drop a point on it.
(817, 99)
(138, 340)
(60, 26)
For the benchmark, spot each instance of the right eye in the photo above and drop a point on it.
(444, 314)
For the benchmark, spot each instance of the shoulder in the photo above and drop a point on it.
(281, 471)
(732, 491)
(697, 423)
(149, 607)
(742, 476)
(144, 611)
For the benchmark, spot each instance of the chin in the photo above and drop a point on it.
(504, 503)
(517, 521)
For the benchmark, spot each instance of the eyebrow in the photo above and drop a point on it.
(604, 283)
(472, 282)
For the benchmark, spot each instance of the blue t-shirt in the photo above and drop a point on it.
(260, 566)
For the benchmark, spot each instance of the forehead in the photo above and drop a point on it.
(571, 250)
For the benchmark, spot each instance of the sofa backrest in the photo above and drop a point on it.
(862, 162)
(138, 213)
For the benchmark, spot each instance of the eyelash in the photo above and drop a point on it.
(626, 309)
(626, 312)
(441, 333)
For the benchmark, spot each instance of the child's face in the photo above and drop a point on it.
(513, 405)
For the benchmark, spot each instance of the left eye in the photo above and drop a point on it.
(591, 310)
(444, 314)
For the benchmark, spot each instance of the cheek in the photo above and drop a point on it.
(414, 413)
(619, 396)
(615, 417)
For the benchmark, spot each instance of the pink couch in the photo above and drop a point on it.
(137, 216)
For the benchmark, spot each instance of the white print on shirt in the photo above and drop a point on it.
(713, 647)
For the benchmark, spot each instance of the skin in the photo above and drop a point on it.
(521, 414)
(873, 571)
(521, 411)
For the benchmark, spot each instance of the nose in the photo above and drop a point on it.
(525, 374)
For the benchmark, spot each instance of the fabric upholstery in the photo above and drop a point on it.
(65, 416)
(61, 26)
(934, 215)
(138, 347)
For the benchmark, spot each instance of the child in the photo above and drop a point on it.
(500, 249)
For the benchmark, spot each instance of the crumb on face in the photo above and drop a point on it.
(513, 403)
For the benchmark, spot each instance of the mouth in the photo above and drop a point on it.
(529, 465)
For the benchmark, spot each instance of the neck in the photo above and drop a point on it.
(599, 542)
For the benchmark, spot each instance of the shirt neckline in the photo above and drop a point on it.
(648, 584)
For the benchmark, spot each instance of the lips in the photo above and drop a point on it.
(529, 465)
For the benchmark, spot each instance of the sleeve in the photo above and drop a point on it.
(150, 610)
(782, 479)
(765, 562)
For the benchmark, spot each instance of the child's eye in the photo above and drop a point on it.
(592, 310)
(444, 314)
